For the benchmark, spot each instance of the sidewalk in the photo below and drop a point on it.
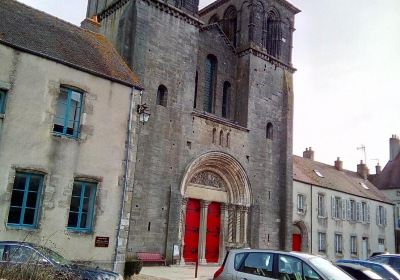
(176, 273)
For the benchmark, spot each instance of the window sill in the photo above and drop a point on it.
(322, 217)
(65, 136)
(21, 227)
(339, 255)
(80, 231)
(301, 212)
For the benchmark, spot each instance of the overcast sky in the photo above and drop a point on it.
(346, 86)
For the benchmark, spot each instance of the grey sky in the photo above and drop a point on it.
(346, 85)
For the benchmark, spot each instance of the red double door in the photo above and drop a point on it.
(192, 230)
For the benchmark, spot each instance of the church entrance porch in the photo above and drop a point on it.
(214, 209)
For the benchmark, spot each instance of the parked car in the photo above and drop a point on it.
(13, 253)
(384, 270)
(359, 272)
(253, 264)
(391, 259)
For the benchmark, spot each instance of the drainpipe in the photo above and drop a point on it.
(126, 175)
(311, 221)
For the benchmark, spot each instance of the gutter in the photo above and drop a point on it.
(126, 176)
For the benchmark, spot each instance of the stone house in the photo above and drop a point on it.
(388, 181)
(338, 213)
(214, 167)
(67, 100)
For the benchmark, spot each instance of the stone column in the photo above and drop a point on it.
(238, 223)
(223, 232)
(231, 224)
(203, 231)
(244, 213)
(182, 226)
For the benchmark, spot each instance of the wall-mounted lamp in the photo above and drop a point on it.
(142, 110)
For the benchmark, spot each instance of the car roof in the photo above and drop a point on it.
(288, 253)
(353, 265)
(358, 261)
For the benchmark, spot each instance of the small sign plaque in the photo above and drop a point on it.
(102, 241)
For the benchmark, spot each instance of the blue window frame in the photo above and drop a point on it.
(81, 210)
(25, 200)
(3, 95)
(68, 112)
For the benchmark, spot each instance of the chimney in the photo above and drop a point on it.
(378, 169)
(91, 24)
(362, 170)
(308, 153)
(394, 145)
(339, 164)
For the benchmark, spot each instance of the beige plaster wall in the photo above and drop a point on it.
(26, 141)
(347, 228)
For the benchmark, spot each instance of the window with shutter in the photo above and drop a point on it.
(343, 204)
(333, 206)
(358, 212)
(348, 207)
(368, 220)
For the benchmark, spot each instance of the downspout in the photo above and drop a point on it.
(126, 175)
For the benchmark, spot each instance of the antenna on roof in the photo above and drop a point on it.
(362, 147)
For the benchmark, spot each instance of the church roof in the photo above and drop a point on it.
(390, 176)
(306, 170)
(32, 31)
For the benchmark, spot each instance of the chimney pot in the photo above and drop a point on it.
(362, 170)
(378, 169)
(339, 164)
(308, 153)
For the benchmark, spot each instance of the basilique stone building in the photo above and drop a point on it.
(214, 163)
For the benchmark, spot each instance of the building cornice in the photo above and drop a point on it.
(214, 118)
(162, 6)
(265, 56)
(219, 3)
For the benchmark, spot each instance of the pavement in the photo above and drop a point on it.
(186, 272)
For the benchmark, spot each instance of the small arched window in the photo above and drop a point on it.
(229, 25)
(270, 131)
(228, 135)
(213, 19)
(162, 96)
(210, 77)
(274, 34)
(214, 135)
(226, 99)
(196, 80)
(221, 138)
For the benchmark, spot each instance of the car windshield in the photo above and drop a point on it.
(50, 254)
(329, 270)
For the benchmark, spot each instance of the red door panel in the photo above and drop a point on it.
(192, 225)
(213, 230)
(296, 246)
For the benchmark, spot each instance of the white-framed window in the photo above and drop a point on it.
(381, 216)
(352, 210)
(321, 205)
(301, 208)
(364, 212)
(322, 242)
(353, 245)
(338, 243)
(337, 207)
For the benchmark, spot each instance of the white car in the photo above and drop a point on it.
(253, 264)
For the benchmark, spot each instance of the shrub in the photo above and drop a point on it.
(32, 271)
(132, 266)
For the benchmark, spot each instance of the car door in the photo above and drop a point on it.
(256, 266)
(292, 268)
(395, 263)
(22, 254)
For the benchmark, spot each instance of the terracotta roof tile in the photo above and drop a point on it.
(343, 181)
(33, 31)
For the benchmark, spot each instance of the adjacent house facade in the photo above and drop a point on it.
(67, 101)
(338, 213)
(388, 181)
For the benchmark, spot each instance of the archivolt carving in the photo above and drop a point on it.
(208, 178)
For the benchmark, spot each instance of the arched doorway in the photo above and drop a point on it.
(300, 237)
(215, 208)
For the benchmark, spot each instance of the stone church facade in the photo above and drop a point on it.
(214, 162)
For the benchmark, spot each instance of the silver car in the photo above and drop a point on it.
(253, 264)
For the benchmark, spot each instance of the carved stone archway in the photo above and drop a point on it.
(304, 235)
(218, 177)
